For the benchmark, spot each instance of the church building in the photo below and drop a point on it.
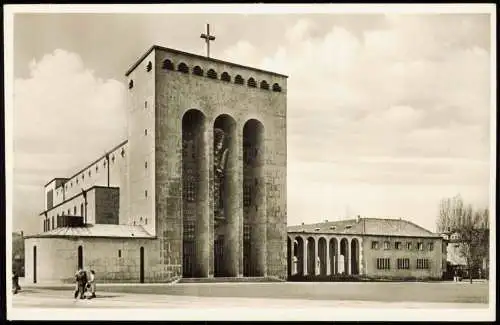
(365, 247)
(197, 190)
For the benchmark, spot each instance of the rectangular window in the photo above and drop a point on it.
(422, 264)
(119, 253)
(398, 245)
(383, 263)
(247, 195)
(420, 246)
(374, 244)
(188, 231)
(409, 246)
(387, 245)
(403, 263)
(431, 246)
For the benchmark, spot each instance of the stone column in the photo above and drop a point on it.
(203, 206)
(233, 211)
(349, 257)
(316, 256)
(361, 270)
(304, 258)
(328, 262)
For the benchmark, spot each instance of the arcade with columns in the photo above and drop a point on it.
(313, 254)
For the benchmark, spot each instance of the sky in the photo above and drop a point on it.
(387, 113)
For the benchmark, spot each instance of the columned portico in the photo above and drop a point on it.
(314, 254)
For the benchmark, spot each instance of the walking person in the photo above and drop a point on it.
(91, 283)
(81, 282)
(15, 282)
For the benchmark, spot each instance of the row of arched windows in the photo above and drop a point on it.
(212, 74)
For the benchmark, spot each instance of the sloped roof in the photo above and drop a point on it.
(98, 230)
(366, 226)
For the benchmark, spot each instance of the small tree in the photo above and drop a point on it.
(471, 228)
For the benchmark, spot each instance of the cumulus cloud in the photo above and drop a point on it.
(415, 91)
(64, 116)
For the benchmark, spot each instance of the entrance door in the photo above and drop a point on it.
(141, 275)
(246, 258)
(34, 264)
(219, 256)
(188, 254)
(80, 257)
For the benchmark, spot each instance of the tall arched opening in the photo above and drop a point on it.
(195, 218)
(311, 256)
(80, 257)
(226, 199)
(344, 252)
(354, 256)
(254, 204)
(289, 254)
(34, 264)
(333, 256)
(322, 256)
(299, 254)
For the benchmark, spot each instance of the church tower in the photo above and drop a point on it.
(207, 165)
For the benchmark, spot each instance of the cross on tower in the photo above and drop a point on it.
(208, 38)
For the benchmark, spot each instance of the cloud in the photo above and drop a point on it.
(415, 91)
(64, 115)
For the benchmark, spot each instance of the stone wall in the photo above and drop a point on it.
(113, 259)
(176, 93)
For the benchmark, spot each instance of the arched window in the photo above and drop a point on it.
(149, 67)
(276, 88)
(198, 71)
(212, 74)
(130, 84)
(264, 85)
(225, 77)
(182, 67)
(239, 80)
(251, 83)
(123, 152)
(167, 65)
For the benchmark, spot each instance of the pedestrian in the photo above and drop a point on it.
(15, 282)
(455, 276)
(91, 283)
(81, 282)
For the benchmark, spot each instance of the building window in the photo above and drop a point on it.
(403, 263)
(113, 159)
(247, 195)
(77, 181)
(190, 187)
(198, 71)
(146, 221)
(422, 264)
(69, 212)
(123, 152)
(264, 85)
(149, 66)
(167, 65)
(239, 80)
(225, 77)
(96, 168)
(119, 253)
(409, 246)
(188, 231)
(70, 184)
(383, 264)
(420, 246)
(276, 88)
(374, 244)
(246, 232)
(212, 74)
(387, 245)
(251, 83)
(90, 173)
(145, 193)
(74, 210)
(53, 223)
(83, 177)
(398, 245)
(182, 67)
(145, 131)
(131, 84)
(146, 165)
(431, 246)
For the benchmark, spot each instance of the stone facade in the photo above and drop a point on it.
(381, 249)
(146, 183)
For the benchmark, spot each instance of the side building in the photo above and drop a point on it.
(365, 247)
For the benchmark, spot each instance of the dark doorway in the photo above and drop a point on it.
(188, 253)
(80, 257)
(141, 269)
(34, 264)
(219, 256)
